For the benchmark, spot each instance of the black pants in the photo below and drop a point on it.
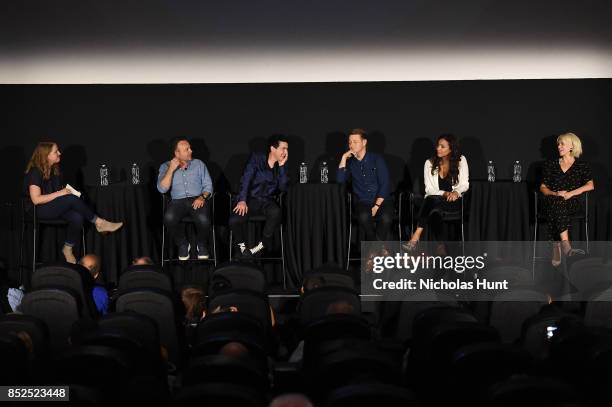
(178, 209)
(70, 208)
(430, 215)
(375, 227)
(558, 213)
(257, 207)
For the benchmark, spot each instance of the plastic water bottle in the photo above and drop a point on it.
(303, 173)
(324, 173)
(490, 172)
(135, 174)
(103, 175)
(516, 173)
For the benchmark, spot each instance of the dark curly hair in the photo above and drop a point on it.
(455, 157)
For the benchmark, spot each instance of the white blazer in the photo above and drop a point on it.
(431, 181)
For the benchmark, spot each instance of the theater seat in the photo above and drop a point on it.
(58, 308)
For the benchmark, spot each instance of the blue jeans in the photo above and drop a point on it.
(70, 208)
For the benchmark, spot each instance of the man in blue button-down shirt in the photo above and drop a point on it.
(369, 177)
(190, 185)
(264, 177)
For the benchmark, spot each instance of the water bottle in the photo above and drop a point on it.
(324, 173)
(516, 177)
(135, 174)
(490, 172)
(303, 173)
(103, 175)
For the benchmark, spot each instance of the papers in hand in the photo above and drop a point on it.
(73, 191)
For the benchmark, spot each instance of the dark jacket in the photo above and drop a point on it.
(259, 181)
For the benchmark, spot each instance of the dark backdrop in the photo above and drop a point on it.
(121, 124)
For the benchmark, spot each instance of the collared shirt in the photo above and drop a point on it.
(187, 183)
(260, 181)
(370, 177)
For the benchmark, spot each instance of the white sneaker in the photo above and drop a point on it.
(257, 249)
(203, 253)
(183, 253)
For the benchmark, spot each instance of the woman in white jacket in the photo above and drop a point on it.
(446, 176)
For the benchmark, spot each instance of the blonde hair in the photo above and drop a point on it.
(576, 150)
(39, 160)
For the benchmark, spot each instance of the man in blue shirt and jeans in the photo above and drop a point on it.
(264, 177)
(369, 177)
(190, 186)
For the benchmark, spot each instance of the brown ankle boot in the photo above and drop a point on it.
(104, 226)
(67, 251)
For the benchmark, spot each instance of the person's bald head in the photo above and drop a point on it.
(142, 261)
(234, 350)
(92, 263)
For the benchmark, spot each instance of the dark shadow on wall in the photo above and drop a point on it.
(471, 148)
(592, 153)
(13, 161)
(335, 146)
(422, 149)
(230, 179)
(74, 162)
(547, 151)
(377, 142)
(158, 152)
(296, 156)
(202, 152)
